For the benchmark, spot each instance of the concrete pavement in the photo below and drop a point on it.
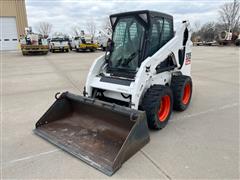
(202, 142)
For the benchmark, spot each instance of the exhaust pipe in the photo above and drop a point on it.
(103, 135)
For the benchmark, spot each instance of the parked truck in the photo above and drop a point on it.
(229, 38)
(32, 43)
(60, 43)
(83, 42)
(102, 39)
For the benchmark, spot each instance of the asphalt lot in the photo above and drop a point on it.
(202, 142)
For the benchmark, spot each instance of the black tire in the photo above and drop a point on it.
(67, 50)
(182, 92)
(92, 50)
(53, 51)
(152, 103)
(237, 42)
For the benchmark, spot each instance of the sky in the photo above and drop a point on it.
(65, 14)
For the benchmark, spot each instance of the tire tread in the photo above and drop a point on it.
(150, 102)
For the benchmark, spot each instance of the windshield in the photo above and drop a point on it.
(127, 39)
(59, 39)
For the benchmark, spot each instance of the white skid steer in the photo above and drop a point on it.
(144, 74)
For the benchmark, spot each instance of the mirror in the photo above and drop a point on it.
(107, 56)
(109, 49)
(110, 45)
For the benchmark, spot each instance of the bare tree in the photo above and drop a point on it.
(76, 30)
(107, 25)
(230, 15)
(91, 27)
(196, 26)
(208, 31)
(44, 28)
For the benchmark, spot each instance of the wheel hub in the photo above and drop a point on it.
(164, 109)
(186, 93)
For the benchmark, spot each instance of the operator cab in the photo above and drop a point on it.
(136, 35)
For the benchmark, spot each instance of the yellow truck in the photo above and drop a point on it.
(83, 43)
(33, 49)
(32, 43)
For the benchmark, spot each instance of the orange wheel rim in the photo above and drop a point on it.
(186, 93)
(164, 108)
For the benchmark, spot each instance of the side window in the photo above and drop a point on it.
(167, 32)
(133, 31)
(136, 33)
(161, 24)
(155, 37)
(119, 34)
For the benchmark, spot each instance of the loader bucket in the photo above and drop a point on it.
(103, 135)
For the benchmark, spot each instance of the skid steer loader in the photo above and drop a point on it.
(144, 74)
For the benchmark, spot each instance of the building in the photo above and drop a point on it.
(13, 20)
